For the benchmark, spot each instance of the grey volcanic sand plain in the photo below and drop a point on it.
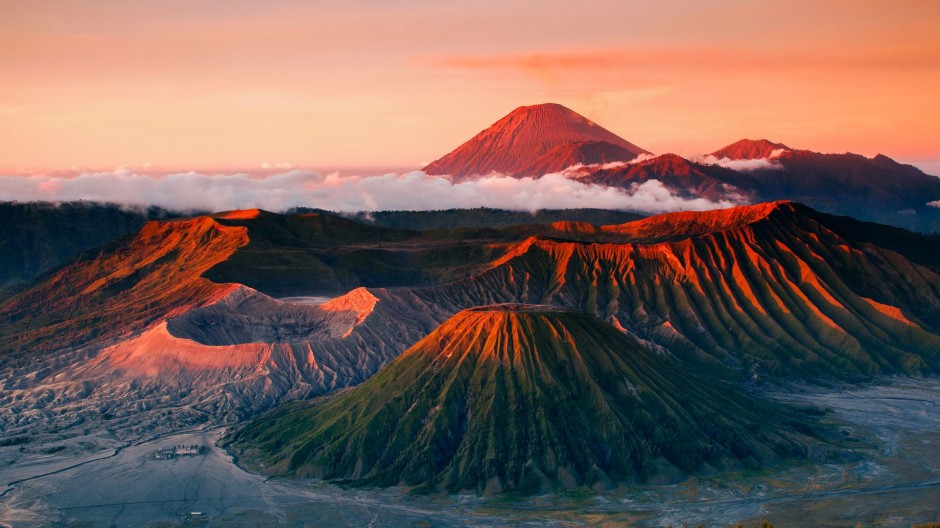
(896, 426)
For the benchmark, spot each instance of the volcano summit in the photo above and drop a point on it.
(532, 141)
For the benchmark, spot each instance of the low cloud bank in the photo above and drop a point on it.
(193, 191)
(740, 165)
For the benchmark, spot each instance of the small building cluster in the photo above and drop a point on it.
(170, 453)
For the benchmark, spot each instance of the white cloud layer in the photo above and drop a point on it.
(935, 203)
(193, 191)
(740, 165)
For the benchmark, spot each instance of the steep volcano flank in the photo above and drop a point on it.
(122, 287)
(578, 153)
(746, 293)
(527, 399)
(520, 143)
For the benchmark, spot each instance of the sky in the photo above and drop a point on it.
(240, 84)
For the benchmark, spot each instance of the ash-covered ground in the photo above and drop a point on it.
(93, 478)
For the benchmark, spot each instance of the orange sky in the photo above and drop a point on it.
(237, 83)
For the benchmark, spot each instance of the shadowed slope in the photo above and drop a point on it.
(489, 218)
(683, 177)
(38, 236)
(327, 254)
(517, 145)
(522, 398)
(877, 189)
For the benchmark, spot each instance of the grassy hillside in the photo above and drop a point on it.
(526, 399)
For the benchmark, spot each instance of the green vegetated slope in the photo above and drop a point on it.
(522, 398)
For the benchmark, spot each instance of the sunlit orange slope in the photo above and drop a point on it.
(534, 140)
(775, 289)
(522, 398)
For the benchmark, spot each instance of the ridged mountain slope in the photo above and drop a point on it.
(750, 291)
(773, 291)
(533, 140)
(131, 282)
(522, 398)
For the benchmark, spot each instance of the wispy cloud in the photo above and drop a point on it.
(279, 165)
(552, 63)
(193, 191)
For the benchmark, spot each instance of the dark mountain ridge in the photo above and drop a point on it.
(877, 189)
(36, 237)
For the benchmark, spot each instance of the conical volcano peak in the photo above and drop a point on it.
(527, 398)
(501, 332)
(548, 109)
(748, 149)
(554, 118)
(517, 144)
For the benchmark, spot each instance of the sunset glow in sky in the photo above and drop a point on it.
(229, 84)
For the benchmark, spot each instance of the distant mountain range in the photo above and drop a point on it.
(535, 140)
